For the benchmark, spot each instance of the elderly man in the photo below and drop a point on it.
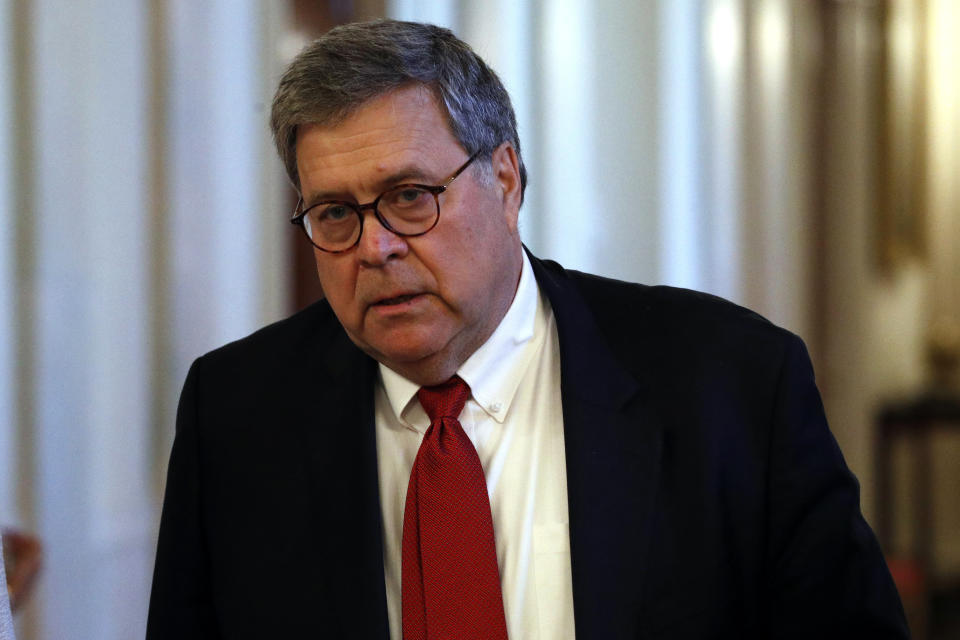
(462, 441)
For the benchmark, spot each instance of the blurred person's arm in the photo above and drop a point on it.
(23, 558)
(6, 622)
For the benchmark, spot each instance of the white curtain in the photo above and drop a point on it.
(8, 268)
(141, 226)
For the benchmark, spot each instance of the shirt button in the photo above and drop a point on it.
(496, 406)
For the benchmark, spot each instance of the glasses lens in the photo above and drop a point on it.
(409, 210)
(332, 226)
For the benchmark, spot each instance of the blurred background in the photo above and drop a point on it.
(800, 157)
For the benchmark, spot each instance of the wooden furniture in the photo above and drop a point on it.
(915, 423)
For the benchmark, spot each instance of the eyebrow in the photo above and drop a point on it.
(405, 174)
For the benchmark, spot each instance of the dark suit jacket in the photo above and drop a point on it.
(707, 497)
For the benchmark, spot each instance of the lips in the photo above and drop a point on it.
(396, 299)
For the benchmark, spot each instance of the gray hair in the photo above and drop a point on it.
(354, 63)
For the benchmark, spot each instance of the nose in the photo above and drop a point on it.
(378, 245)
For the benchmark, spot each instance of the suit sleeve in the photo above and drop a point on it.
(827, 575)
(181, 605)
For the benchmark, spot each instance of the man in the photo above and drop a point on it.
(464, 441)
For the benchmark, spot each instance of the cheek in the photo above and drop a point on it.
(337, 281)
(474, 253)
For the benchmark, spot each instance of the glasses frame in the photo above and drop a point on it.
(299, 213)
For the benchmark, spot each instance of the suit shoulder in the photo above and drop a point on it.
(645, 320)
(279, 340)
(662, 304)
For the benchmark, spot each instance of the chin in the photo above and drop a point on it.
(407, 354)
(423, 362)
(395, 349)
(411, 343)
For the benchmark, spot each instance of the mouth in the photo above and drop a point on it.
(386, 302)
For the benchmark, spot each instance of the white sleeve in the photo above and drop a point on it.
(6, 620)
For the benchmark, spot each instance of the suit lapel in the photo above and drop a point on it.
(340, 449)
(613, 443)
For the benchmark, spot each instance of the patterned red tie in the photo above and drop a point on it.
(450, 580)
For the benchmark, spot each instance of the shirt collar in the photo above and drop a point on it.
(494, 370)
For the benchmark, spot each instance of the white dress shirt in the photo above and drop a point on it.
(515, 421)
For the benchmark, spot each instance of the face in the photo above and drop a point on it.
(420, 305)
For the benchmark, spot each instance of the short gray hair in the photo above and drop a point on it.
(354, 63)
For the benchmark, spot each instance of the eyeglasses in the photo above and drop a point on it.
(407, 210)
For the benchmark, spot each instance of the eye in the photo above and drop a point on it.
(410, 195)
(407, 197)
(332, 212)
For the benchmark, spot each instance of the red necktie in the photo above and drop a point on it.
(450, 581)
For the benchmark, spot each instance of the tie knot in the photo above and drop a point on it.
(444, 400)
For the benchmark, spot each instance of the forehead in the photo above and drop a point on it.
(396, 130)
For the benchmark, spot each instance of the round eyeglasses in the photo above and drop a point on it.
(406, 209)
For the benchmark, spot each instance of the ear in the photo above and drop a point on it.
(506, 176)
